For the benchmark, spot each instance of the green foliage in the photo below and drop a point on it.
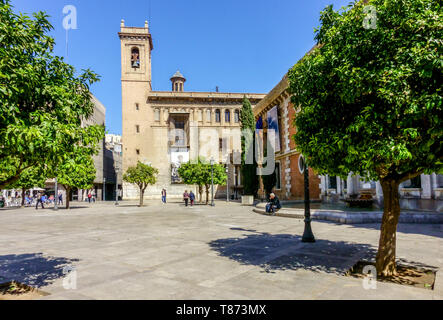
(30, 178)
(199, 173)
(192, 172)
(77, 170)
(142, 175)
(371, 99)
(248, 171)
(42, 101)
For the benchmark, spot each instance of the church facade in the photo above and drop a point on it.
(167, 128)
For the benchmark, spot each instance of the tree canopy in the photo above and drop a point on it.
(369, 99)
(249, 171)
(29, 178)
(141, 175)
(76, 170)
(42, 100)
(199, 173)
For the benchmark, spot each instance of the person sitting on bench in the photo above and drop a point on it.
(273, 205)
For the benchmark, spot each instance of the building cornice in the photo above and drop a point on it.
(137, 36)
(203, 96)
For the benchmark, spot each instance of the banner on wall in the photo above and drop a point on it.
(259, 139)
(178, 157)
(272, 116)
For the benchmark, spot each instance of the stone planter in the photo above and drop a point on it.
(247, 200)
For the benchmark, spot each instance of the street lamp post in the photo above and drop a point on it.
(227, 184)
(212, 182)
(55, 194)
(104, 189)
(116, 183)
(308, 236)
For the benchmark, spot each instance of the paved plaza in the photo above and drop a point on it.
(222, 252)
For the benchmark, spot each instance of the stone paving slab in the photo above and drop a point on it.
(354, 217)
(227, 252)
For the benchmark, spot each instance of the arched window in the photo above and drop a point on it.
(208, 115)
(157, 115)
(135, 58)
(176, 86)
(217, 115)
(237, 116)
(227, 116)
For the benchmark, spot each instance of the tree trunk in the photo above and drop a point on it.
(23, 197)
(68, 194)
(142, 195)
(207, 194)
(200, 192)
(385, 260)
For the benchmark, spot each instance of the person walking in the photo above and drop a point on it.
(89, 196)
(39, 200)
(60, 198)
(192, 198)
(164, 196)
(186, 197)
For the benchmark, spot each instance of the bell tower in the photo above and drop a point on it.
(137, 116)
(136, 47)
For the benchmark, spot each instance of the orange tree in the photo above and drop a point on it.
(141, 175)
(370, 100)
(42, 99)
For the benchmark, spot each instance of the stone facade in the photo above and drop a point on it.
(291, 186)
(166, 128)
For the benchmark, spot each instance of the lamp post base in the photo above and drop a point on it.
(308, 236)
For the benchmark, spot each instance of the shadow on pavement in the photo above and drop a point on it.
(433, 230)
(33, 269)
(286, 252)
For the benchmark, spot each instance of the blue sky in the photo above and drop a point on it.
(238, 45)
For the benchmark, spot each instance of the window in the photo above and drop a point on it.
(176, 86)
(157, 115)
(217, 115)
(277, 176)
(332, 182)
(227, 116)
(135, 58)
(137, 107)
(181, 86)
(137, 128)
(179, 139)
(208, 115)
(220, 144)
(137, 151)
(237, 116)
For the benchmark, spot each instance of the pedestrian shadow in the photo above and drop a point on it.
(274, 252)
(34, 269)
